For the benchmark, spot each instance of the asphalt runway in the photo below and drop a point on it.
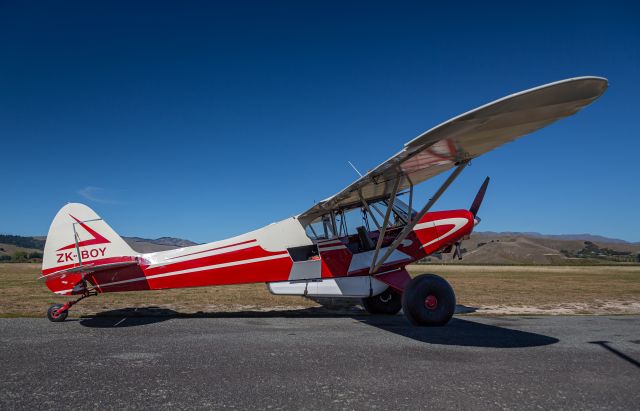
(266, 361)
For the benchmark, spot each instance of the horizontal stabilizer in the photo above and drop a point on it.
(90, 268)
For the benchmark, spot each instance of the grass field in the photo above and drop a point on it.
(543, 289)
(487, 289)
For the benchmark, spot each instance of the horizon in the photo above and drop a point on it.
(205, 121)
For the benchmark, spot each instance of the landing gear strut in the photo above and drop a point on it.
(58, 312)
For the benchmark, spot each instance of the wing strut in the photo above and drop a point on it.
(366, 207)
(385, 223)
(375, 265)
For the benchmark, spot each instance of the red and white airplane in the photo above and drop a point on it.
(356, 243)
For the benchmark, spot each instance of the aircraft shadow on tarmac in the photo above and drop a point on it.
(458, 332)
(461, 332)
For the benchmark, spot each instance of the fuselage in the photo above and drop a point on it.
(281, 251)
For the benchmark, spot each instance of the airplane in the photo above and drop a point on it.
(354, 244)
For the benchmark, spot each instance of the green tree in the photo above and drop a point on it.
(20, 256)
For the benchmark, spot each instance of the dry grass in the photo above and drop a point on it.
(22, 295)
(560, 289)
(494, 289)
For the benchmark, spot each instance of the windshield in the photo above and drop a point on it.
(402, 208)
(399, 216)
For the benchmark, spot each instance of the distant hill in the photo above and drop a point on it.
(536, 248)
(24, 242)
(582, 237)
(10, 244)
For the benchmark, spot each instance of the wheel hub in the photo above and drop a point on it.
(431, 302)
(385, 298)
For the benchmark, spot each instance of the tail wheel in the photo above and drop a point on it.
(388, 302)
(428, 300)
(54, 315)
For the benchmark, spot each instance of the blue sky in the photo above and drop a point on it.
(202, 120)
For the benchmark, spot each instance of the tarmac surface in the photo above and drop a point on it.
(270, 361)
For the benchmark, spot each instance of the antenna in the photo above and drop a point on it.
(354, 167)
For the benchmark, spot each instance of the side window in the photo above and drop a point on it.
(349, 221)
(327, 226)
(320, 228)
(315, 230)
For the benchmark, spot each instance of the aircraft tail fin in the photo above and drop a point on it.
(78, 236)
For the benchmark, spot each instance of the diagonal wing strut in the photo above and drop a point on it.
(376, 264)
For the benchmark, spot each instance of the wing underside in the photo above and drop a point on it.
(467, 136)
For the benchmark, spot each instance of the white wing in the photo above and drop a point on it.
(467, 136)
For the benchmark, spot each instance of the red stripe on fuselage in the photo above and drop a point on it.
(251, 272)
(237, 255)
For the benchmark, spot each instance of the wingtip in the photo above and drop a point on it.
(602, 83)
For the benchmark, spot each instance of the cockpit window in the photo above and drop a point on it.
(347, 221)
(400, 214)
(402, 209)
(321, 228)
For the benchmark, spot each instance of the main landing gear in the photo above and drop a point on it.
(428, 300)
(58, 312)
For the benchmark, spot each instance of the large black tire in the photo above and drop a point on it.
(388, 302)
(428, 300)
(56, 318)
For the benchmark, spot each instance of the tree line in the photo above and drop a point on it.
(21, 257)
(20, 241)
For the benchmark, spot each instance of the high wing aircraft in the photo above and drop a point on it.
(356, 243)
